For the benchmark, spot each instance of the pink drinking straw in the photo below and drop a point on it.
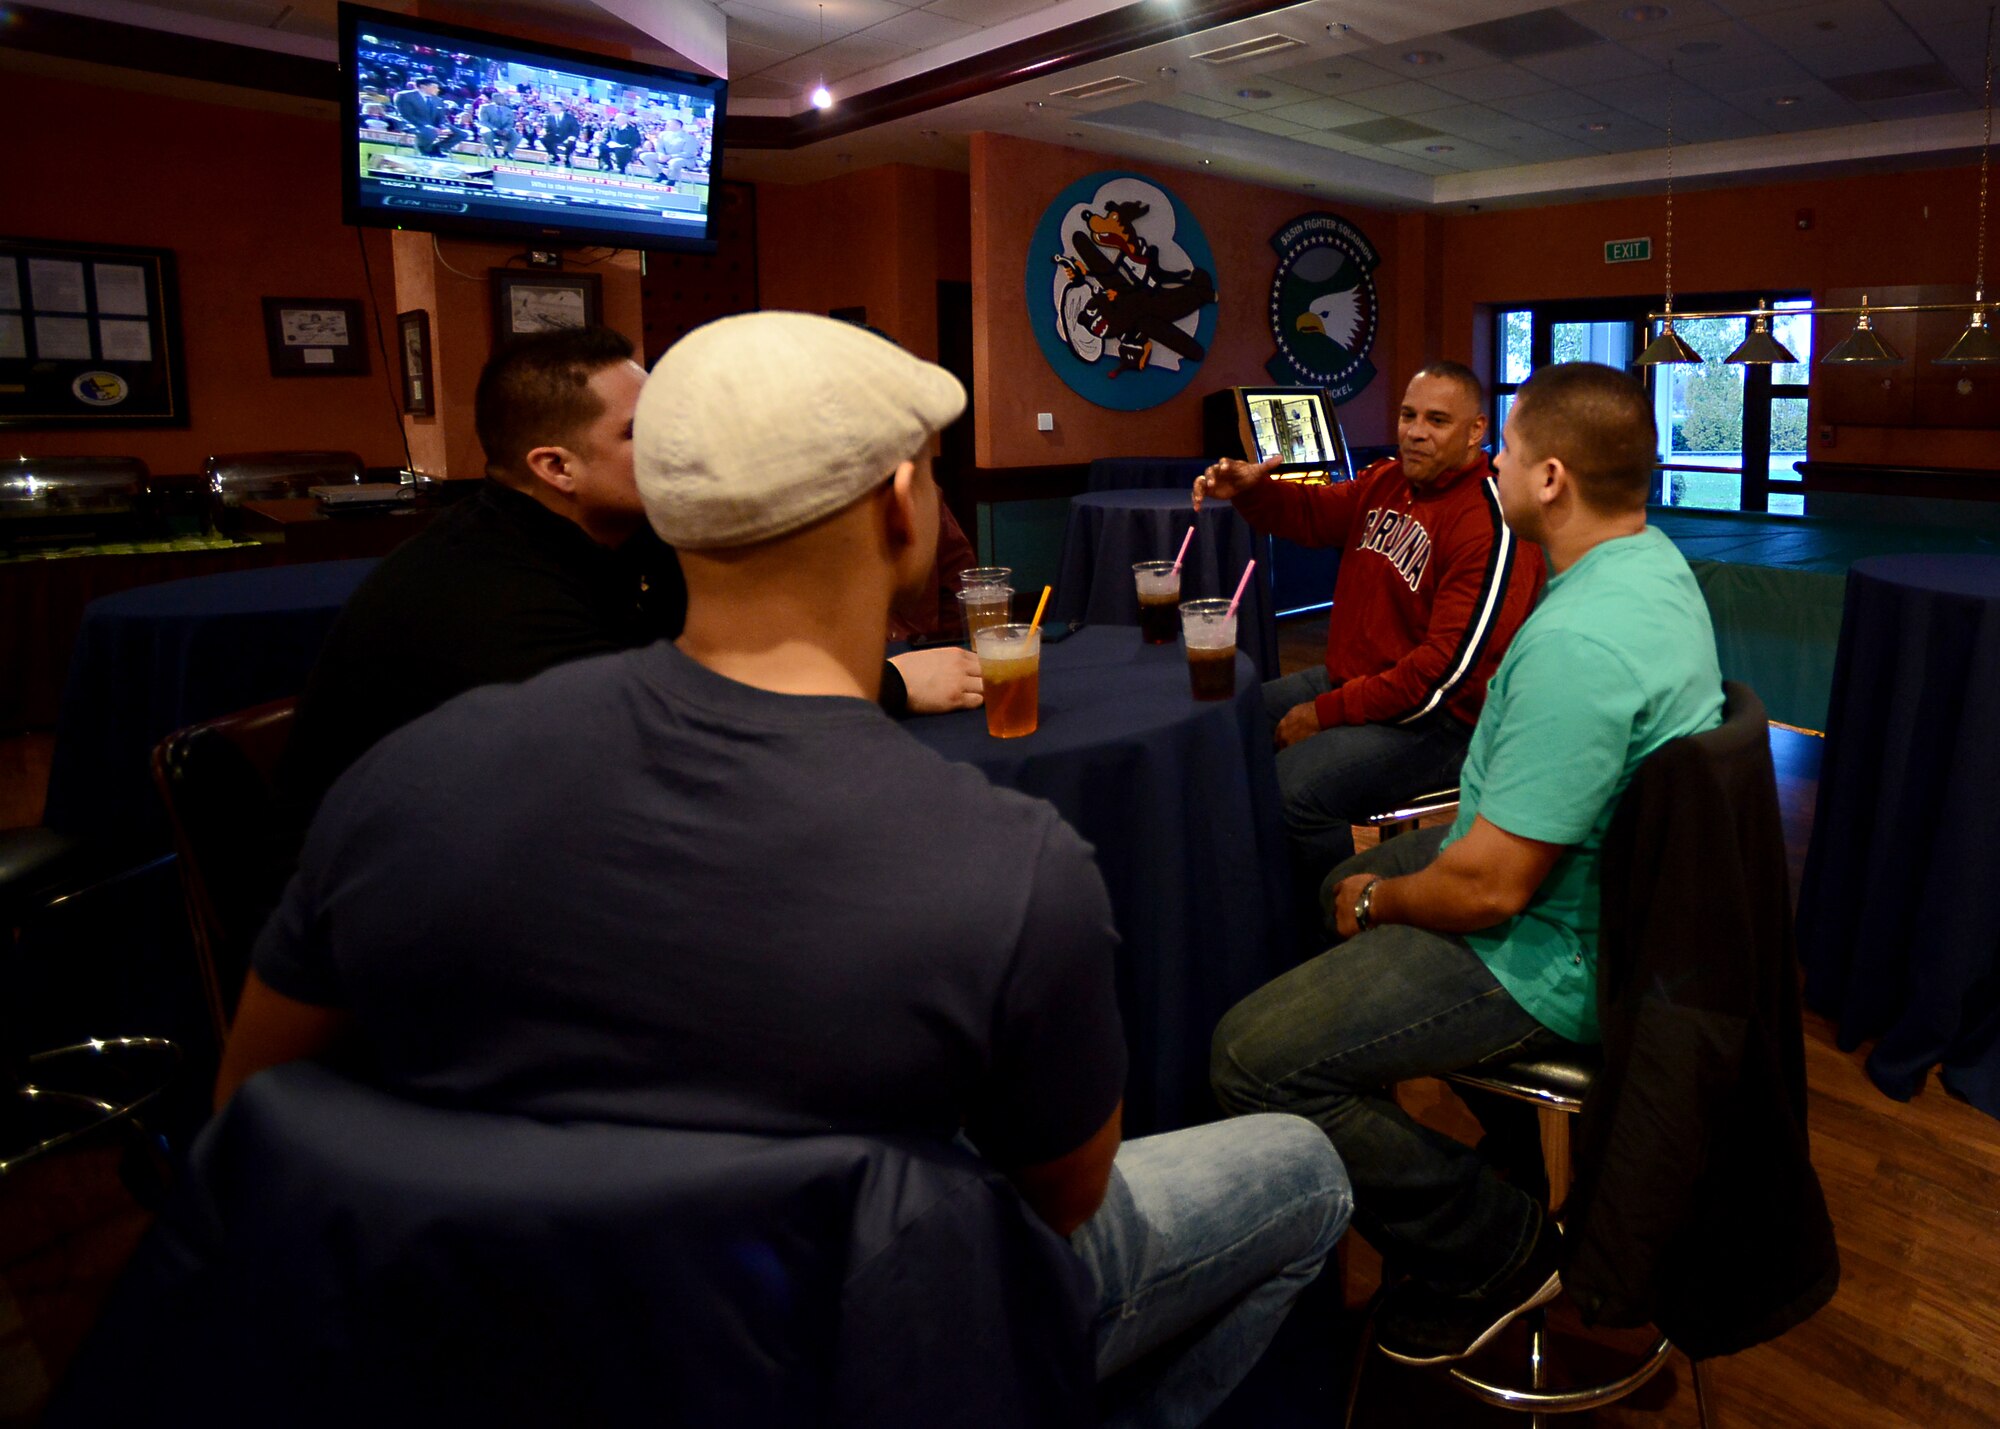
(1241, 586)
(1184, 545)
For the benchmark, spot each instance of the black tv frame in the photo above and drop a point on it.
(532, 234)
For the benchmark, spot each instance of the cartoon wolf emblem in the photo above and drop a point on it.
(1124, 288)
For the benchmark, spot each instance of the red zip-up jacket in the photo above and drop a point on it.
(1432, 586)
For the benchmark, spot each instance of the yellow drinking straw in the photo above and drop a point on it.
(1040, 606)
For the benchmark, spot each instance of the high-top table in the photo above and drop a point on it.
(1180, 801)
(1111, 530)
(157, 658)
(1899, 913)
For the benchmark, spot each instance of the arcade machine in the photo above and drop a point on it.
(1297, 424)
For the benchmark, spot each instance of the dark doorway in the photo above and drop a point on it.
(956, 461)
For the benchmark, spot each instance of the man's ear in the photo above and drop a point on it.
(1552, 479)
(900, 509)
(1478, 428)
(551, 467)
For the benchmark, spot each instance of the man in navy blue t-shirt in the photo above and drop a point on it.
(710, 884)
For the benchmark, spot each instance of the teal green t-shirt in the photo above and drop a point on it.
(1617, 660)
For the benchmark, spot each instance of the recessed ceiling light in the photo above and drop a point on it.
(1784, 100)
(1644, 14)
(1076, 133)
(928, 133)
(1168, 69)
(1700, 47)
(1332, 74)
(1253, 94)
(1208, 161)
(1423, 57)
(1437, 148)
(1595, 126)
(1036, 104)
(1309, 186)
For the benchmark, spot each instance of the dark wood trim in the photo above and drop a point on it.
(1103, 36)
(1028, 483)
(1865, 479)
(50, 32)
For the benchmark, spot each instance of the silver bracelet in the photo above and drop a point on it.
(1364, 906)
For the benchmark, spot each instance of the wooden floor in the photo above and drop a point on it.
(1912, 1339)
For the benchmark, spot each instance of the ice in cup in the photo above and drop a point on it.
(1159, 601)
(1208, 631)
(1010, 662)
(985, 575)
(983, 606)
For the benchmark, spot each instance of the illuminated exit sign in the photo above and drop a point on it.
(1628, 250)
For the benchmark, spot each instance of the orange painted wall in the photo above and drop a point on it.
(1013, 181)
(880, 238)
(1881, 230)
(249, 201)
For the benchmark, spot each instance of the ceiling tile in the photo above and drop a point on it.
(1270, 124)
(1340, 143)
(1528, 143)
(1728, 79)
(1920, 106)
(796, 25)
(1403, 97)
(921, 30)
(1197, 104)
(1962, 49)
(758, 87)
(1339, 74)
(984, 12)
(1620, 132)
(1702, 44)
(1549, 105)
(1452, 54)
(1863, 53)
(1496, 81)
(1595, 62)
(1825, 21)
(1323, 113)
(1231, 90)
(746, 59)
(1607, 17)
(1470, 121)
(1533, 32)
(836, 60)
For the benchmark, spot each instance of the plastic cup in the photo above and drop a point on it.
(1208, 631)
(1010, 662)
(985, 575)
(1159, 601)
(983, 606)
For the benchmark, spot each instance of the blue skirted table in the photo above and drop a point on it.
(1180, 800)
(157, 658)
(1150, 473)
(1899, 914)
(1110, 531)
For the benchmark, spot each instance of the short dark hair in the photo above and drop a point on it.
(1599, 423)
(535, 391)
(1460, 375)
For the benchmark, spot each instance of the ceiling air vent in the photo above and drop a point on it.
(1097, 88)
(1251, 49)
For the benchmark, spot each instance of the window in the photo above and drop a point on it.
(1729, 435)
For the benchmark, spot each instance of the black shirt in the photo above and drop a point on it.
(633, 890)
(497, 589)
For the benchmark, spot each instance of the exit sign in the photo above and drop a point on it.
(1628, 250)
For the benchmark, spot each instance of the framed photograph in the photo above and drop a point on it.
(89, 336)
(529, 301)
(316, 337)
(413, 342)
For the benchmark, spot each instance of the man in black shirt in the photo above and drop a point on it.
(549, 562)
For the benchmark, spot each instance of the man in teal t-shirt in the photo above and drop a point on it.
(1481, 943)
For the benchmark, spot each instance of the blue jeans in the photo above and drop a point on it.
(1330, 1038)
(1342, 775)
(1205, 1238)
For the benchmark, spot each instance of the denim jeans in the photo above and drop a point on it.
(1330, 1038)
(1346, 773)
(1205, 1238)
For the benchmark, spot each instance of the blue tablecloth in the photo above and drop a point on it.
(1899, 914)
(1155, 473)
(1180, 800)
(1111, 530)
(157, 658)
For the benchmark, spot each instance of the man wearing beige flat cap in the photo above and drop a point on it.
(757, 905)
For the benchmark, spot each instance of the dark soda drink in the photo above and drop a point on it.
(1160, 620)
(1212, 673)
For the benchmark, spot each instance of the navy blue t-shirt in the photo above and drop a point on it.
(633, 890)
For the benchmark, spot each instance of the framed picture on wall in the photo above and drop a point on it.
(527, 301)
(413, 343)
(90, 336)
(316, 337)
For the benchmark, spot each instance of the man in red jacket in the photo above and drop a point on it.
(1432, 586)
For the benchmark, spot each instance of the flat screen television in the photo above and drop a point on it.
(1296, 425)
(450, 130)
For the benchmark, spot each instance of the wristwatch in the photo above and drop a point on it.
(1364, 906)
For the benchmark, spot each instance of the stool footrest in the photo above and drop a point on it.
(1566, 1401)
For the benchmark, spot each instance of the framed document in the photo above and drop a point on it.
(413, 342)
(529, 301)
(89, 336)
(316, 337)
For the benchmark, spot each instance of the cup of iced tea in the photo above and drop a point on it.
(1010, 662)
(1159, 601)
(1208, 631)
(983, 606)
(985, 575)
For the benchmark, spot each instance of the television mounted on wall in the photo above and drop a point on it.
(451, 130)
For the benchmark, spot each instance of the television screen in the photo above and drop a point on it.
(453, 131)
(1294, 425)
